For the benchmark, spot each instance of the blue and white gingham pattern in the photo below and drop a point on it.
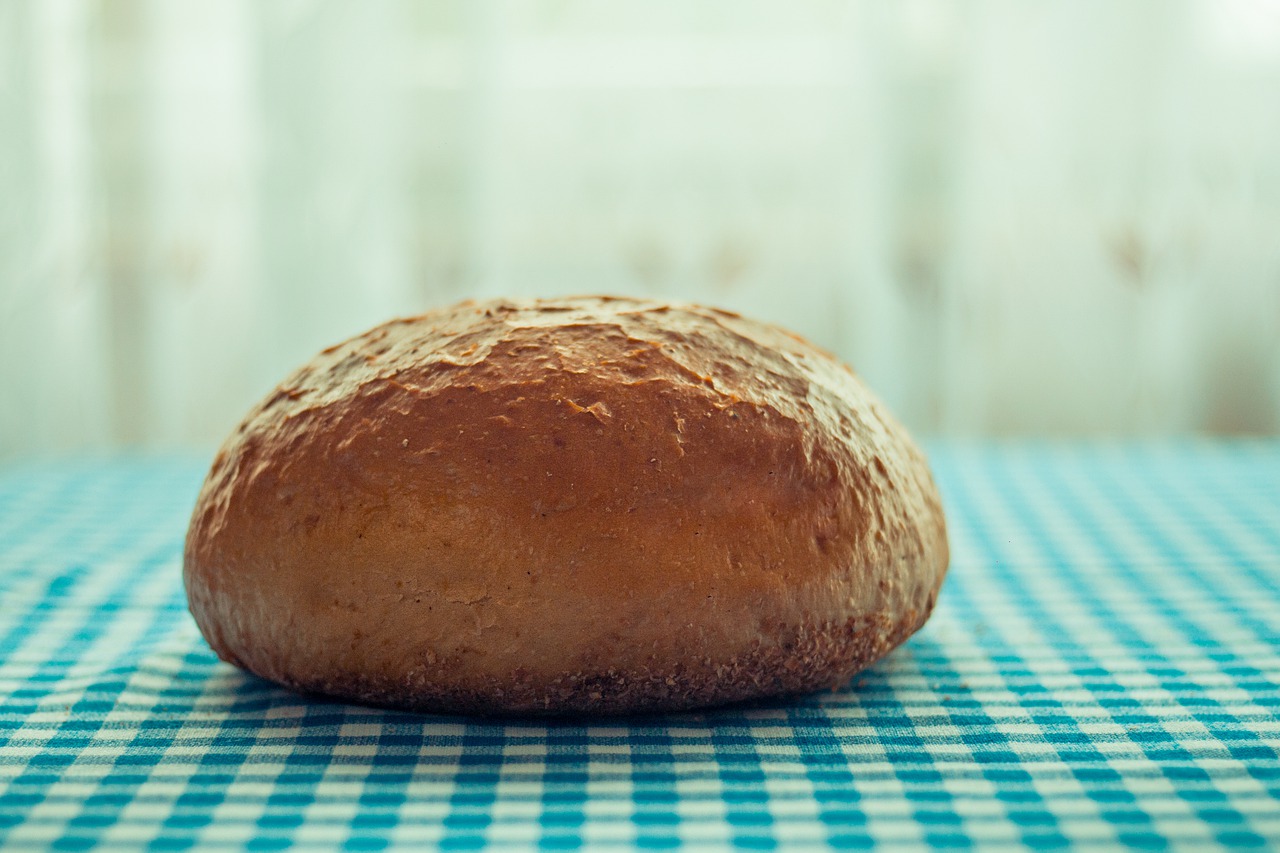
(1103, 670)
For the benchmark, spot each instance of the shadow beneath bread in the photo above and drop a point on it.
(836, 727)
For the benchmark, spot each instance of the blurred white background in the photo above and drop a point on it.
(1011, 217)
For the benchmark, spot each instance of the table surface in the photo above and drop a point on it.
(1103, 669)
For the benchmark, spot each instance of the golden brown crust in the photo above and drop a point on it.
(571, 505)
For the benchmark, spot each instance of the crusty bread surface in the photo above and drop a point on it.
(579, 505)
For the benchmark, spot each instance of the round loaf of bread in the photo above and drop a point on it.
(581, 505)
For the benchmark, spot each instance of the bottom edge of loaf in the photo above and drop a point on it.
(810, 658)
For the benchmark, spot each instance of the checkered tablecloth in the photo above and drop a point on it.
(1103, 669)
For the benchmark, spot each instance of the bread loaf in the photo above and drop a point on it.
(581, 505)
